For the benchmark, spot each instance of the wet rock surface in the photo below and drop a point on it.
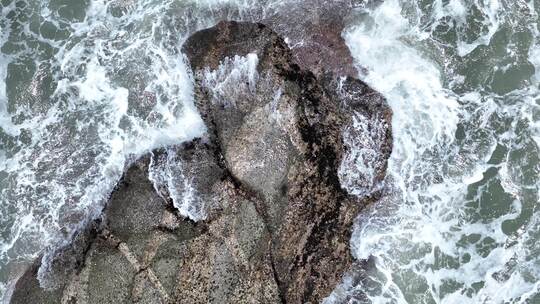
(313, 32)
(275, 215)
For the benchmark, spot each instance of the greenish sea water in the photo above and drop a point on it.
(86, 86)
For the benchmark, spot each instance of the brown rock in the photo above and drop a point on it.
(313, 32)
(282, 138)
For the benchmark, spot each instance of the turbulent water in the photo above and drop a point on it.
(86, 86)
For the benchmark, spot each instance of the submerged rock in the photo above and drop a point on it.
(272, 202)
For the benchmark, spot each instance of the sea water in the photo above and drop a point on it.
(87, 86)
(459, 221)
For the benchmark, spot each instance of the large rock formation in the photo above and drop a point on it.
(272, 181)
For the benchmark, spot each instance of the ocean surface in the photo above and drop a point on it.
(87, 86)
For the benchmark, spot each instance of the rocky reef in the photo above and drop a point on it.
(296, 147)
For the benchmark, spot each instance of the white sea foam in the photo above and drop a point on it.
(124, 89)
(233, 77)
(167, 172)
(359, 170)
(5, 119)
(434, 237)
(491, 11)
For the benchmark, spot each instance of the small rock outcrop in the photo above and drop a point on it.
(273, 177)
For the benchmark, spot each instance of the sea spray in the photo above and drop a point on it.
(87, 87)
(458, 218)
